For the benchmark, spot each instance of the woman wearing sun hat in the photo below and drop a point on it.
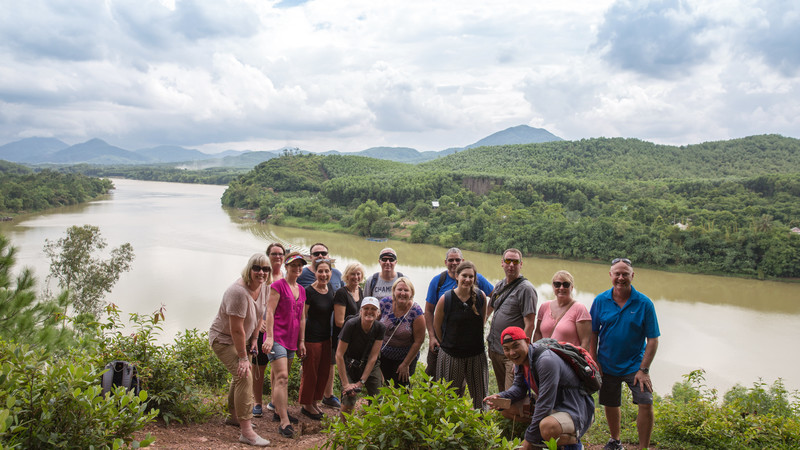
(283, 337)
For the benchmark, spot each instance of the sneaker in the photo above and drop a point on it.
(614, 444)
(258, 411)
(270, 406)
(287, 431)
(277, 418)
(331, 401)
(257, 442)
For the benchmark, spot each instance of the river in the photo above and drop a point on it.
(189, 250)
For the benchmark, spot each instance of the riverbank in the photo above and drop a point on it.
(403, 234)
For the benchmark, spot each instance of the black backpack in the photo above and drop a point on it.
(120, 373)
(577, 358)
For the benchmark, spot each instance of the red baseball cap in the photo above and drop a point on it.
(512, 334)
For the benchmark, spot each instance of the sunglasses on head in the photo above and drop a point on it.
(622, 260)
(257, 268)
(511, 261)
(320, 253)
(558, 284)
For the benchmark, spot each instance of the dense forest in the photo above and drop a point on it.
(720, 207)
(157, 172)
(23, 190)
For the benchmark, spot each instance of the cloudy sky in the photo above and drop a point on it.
(353, 74)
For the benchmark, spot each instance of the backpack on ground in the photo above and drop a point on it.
(120, 373)
(577, 358)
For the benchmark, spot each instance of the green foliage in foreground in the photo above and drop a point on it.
(757, 417)
(185, 384)
(693, 417)
(48, 401)
(430, 416)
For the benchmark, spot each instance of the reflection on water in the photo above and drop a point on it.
(189, 249)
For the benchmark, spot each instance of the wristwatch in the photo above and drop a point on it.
(363, 382)
(646, 370)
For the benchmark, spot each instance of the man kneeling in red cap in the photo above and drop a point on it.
(561, 409)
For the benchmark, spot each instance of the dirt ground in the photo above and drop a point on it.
(216, 435)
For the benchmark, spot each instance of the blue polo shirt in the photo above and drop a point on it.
(623, 332)
(450, 283)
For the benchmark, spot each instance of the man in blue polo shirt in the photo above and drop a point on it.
(440, 284)
(624, 342)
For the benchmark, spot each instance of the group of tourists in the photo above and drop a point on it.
(369, 331)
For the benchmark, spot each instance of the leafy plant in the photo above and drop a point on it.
(161, 370)
(55, 402)
(85, 276)
(23, 317)
(428, 416)
(204, 368)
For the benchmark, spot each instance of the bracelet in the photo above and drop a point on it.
(244, 358)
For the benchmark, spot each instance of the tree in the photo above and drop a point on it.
(24, 318)
(86, 277)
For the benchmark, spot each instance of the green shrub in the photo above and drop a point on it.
(193, 352)
(429, 416)
(54, 402)
(748, 418)
(162, 372)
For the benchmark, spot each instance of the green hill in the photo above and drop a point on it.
(630, 159)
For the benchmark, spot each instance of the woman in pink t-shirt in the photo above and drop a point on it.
(564, 319)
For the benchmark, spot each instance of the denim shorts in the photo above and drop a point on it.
(279, 351)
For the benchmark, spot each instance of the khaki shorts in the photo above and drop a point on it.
(524, 409)
(567, 426)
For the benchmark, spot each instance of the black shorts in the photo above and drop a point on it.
(611, 391)
(261, 359)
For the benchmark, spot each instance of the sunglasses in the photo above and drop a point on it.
(320, 253)
(454, 260)
(558, 284)
(257, 268)
(275, 255)
(623, 260)
(388, 260)
(511, 261)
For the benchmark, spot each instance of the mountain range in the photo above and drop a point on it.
(37, 150)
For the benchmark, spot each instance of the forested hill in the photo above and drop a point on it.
(722, 207)
(21, 190)
(631, 159)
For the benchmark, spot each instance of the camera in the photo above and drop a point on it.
(353, 391)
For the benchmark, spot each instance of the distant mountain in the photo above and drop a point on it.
(96, 151)
(173, 153)
(31, 150)
(521, 134)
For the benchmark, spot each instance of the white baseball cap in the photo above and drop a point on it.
(370, 301)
